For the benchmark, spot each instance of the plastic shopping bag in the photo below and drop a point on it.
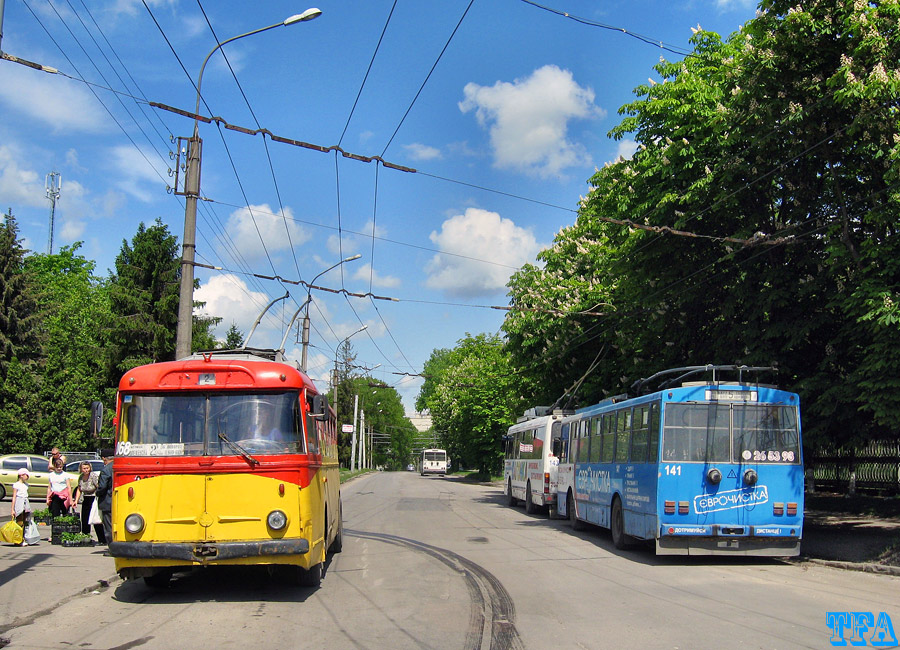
(11, 532)
(94, 518)
(31, 534)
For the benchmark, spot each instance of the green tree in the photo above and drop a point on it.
(74, 302)
(473, 394)
(785, 139)
(234, 338)
(20, 318)
(21, 346)
(144, 300)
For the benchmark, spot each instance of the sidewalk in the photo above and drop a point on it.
(37, 579)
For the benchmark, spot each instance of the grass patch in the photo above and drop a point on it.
(347, 474)
(474, 476)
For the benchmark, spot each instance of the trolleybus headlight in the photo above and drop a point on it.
(751, 477)
(134, 523)
(276, 520)
(714, 476)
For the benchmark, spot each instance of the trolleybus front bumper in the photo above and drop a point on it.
(207, 552)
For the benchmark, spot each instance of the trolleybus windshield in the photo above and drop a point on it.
(731, 433)
(199, 424)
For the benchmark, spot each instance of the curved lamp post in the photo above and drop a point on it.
(305, 338)
(192, 191)
(336, 375)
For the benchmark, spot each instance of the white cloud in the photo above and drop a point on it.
(259, 229)
(71, 230)
(727, 5)
(481, 235)
(228, 297)
(626, 149)
(131, 7)
(72, 161)
(17, 185)
(364, 273)
(419, 151)
(144, 178)
(350, 242)
(528, 120)
(65, 106)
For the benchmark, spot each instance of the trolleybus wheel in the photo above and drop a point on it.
(530, 507)
(617, 526)
(2, 492)
(159, 580)
(510, 499)
(337, 544)
(577, 524)
(310, 577)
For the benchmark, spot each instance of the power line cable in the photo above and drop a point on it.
(368, 70)
(428, 76)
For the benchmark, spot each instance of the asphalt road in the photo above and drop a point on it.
(438, 563)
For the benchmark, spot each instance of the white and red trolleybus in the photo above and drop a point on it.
(224, 458)
(529, 467)
(434, 461)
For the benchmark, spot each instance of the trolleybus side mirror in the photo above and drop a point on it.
(96, 418)
(320, 404)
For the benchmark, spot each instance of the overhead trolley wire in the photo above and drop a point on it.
(428, 76)
(265, 143)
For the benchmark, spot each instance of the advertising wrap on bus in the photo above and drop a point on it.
(703, 468)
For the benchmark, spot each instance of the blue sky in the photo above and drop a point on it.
(504, 135)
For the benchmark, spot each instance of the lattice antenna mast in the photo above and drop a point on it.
(54, 181)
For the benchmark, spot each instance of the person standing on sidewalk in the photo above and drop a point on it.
(54, 456)
(59, 491)
(21, 507)
(104, 492)
(85, 492)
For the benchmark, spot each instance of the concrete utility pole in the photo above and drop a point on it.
(184, 328)
(53, 183)
(353, 439)
(362, 439)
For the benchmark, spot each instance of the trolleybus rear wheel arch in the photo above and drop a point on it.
(617, 525)
(577, 524)
(337, 544)
(530, 507)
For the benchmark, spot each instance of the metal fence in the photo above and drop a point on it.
(874, 468)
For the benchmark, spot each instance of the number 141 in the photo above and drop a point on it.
(673, 470)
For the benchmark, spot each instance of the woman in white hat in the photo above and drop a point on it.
(21, 507)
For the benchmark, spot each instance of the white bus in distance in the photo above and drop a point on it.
(530, 466)
(434, 461)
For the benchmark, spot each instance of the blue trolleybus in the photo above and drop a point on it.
(708, 467)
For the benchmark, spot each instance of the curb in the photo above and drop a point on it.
(866, 567)
(30, 618)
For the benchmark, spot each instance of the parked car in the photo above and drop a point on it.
(74, 467)
(37, 476)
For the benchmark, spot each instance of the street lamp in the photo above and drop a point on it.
(305, 338)
(192, 191)
(336, 376)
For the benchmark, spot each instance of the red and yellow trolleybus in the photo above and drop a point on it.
(224, 458)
